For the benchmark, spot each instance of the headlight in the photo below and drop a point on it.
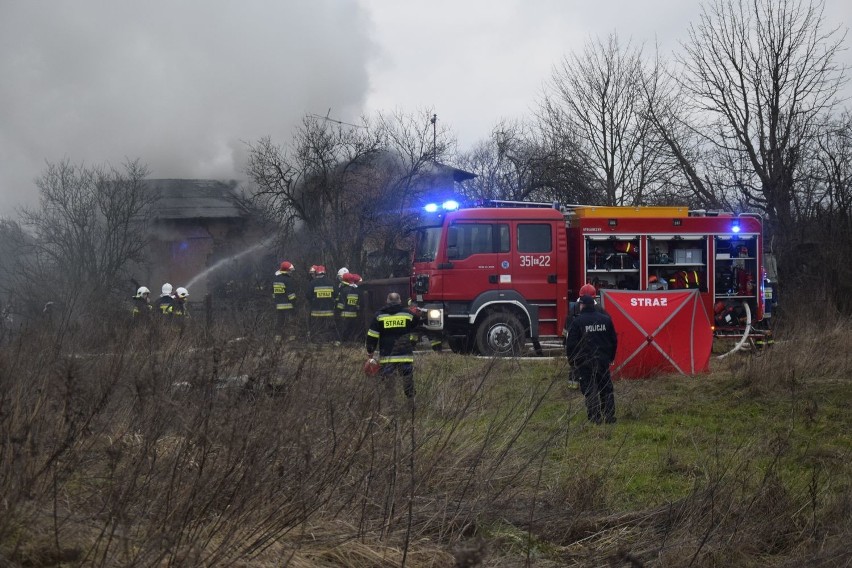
(433, 317)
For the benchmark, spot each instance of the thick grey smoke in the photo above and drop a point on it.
(179, 85)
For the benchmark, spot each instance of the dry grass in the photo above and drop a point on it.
(199, 450)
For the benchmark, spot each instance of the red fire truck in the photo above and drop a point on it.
(491, 276)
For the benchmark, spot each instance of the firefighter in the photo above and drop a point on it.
(142, 304)
(321, 298)
(341, 284)
(392, 331)
(179, 303)
(574, 308)
(590, 347)
(165, 302)
(284, 295)
(349, 308)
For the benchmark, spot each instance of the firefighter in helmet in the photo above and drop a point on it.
(179, 303)
(349, 308)
(321, 298)
(142, 304)
(284, 295)
(341, 284)
(165, 302)
(392, 331)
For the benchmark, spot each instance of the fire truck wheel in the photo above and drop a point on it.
(500, 334)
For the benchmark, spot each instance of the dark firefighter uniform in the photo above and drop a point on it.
(165, 305)
(284, 295)
(179, 308)
(590, 346)
(141, 309)
(321, 298)
(348, 310)
(392, 330)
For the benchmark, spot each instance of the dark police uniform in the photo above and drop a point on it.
(392, 330)
(590, 346)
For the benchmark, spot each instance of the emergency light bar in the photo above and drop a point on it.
(735, 228)
(449, 205)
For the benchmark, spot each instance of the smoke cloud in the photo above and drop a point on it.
(180, 85)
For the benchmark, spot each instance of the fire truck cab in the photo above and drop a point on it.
(491, 277)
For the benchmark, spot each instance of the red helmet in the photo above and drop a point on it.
(588, 290)
(371, 367)
(286, 266)
(351, 278)
(318, 269)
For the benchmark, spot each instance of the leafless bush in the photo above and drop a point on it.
(191, 448)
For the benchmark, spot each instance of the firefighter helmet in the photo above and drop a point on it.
(319, 269)
(371, 367)
(286, 266)
(182, 292)
(342, 272)
(142, 291)
(352, 278)
(588, 290)
(166, 290)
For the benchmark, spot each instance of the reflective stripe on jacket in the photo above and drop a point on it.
(321, 297)
(392, 331)
(283, 291)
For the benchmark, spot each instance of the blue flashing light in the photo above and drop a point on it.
(450, 205)
(735, 228)
(431, 207)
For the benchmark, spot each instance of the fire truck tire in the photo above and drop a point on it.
(500, 334)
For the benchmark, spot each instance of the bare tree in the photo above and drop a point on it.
(597, 96)
(760, 74)
(348, 189)
(90, 228)
(521, 162)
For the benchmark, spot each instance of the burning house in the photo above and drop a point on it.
(196, 224)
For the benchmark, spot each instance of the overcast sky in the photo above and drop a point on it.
(182, 84)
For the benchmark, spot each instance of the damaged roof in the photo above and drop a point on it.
(195, 199)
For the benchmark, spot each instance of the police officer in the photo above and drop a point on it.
(392, 331)
(321, 298)
(284, 295)
(590, 346)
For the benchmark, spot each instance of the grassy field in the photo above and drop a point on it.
(161, 450)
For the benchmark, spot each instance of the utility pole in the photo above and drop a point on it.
(434, 138)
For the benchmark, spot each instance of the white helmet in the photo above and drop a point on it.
(341, 272)
(167, 289)
(182, 293)
(142, 291)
